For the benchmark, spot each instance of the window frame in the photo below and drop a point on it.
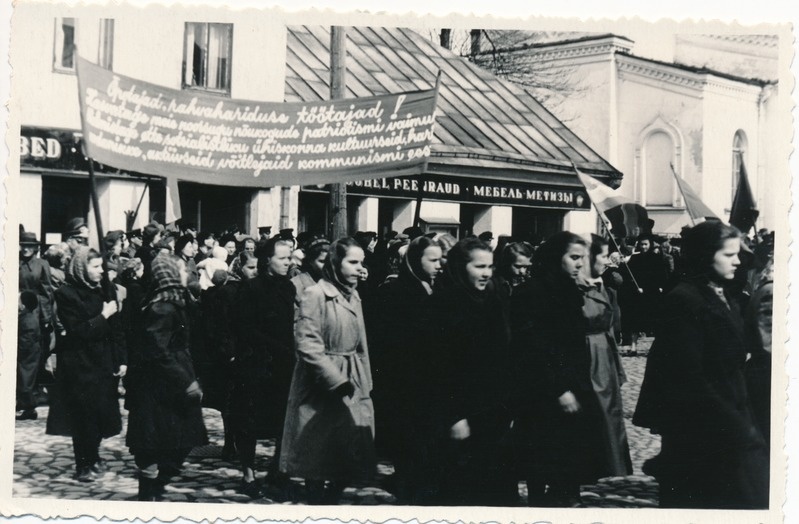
(58, 45)
(225, 92)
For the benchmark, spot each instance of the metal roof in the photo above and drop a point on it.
(485, 126)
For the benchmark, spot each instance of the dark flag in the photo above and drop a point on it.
(744, 210)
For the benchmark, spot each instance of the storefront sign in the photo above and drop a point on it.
(476, 191)
(192, 136)
(58, 149)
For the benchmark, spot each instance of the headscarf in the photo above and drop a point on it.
(700, 244)
(313, 249)
(76, 273)
(165, 280)
(411, 268)
(332, 269)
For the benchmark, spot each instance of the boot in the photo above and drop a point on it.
(149, 490)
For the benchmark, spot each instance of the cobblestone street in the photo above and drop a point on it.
(43, 466)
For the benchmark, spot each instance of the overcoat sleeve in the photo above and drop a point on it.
(310, 336)
(77, 321)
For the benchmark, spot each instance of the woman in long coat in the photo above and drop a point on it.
(558, 416)
(329, 431)
(694, 391)
(467, 369)
(393, 321)
(165, 420)
(91, 358)
(264, 359)
(607, 374)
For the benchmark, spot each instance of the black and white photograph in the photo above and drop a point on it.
(279, 264)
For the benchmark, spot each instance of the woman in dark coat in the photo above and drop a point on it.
(557, 422)
(213, 360)
(91, 358)
(694, 391)
(264, 359)
(393, 321)
(468, 373)
(165, 420)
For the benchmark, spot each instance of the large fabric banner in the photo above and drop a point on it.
(134, 125)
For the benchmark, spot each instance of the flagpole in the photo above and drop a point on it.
(685, 200)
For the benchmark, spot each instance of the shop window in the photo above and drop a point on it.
(207, 57)
(739, 146)
(64, 48)
(659, 179)
(105, 48)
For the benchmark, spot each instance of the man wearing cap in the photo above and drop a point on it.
(35, 320)
(76, 233)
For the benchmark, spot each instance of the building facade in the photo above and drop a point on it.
(697, 117)
(500, 161)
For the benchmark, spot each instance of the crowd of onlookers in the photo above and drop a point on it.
(470, 364)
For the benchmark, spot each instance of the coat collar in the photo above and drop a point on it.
(332, 291)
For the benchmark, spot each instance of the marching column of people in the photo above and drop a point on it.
(468, 377)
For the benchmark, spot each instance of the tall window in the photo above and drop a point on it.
(659, 151)
(64, 48)
(207, 56)
(739, 147)
(105, 49)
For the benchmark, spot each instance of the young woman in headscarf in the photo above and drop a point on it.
(557, 422)
(513, 263)
(214, 359)
(694, 391)
(329, 430)
(90, 361)
(311, 270)
(263, 317)
(393, 320)
(601, 311)
(467, 369)
(165, 420)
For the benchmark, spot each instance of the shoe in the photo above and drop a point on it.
(251, 489)
(99, 467)
(27, 414)
(85, 475)
(149, 490)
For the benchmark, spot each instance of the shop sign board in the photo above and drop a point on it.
(475, 191)
(58, 149)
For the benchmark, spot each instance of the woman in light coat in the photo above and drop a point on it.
(329, 429)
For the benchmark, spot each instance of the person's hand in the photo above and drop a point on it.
(347, 389)
(460, 430)
(568, 402)
(123, 370)
(194, 393)
(109, 308)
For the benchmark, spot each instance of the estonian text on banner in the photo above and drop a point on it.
(186, 135)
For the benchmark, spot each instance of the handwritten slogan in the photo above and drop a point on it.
(142, 127)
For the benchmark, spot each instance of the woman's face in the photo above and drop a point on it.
(478, 269)
(601, 263)
(94, 270)
(140, 271)
(250, 269)
(520, 266)
(320, 260)
(230, 247)
(726, 260)
(431, 261)
(117, 249)
(572, 260)
(352, 265)
(188, 250)
(279, 262)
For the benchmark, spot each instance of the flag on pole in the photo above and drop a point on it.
(697, 209)
(744, 209)
(626, 217)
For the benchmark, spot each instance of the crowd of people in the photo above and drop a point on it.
(469, 366)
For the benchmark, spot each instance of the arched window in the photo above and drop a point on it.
(659, 183)
(739, 146)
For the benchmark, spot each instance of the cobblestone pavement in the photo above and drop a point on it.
(43, 467)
